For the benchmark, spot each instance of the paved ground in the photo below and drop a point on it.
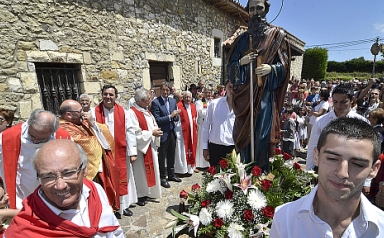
(149, 221)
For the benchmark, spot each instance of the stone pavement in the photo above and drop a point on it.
(149, 221)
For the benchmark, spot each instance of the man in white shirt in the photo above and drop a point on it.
(201, 107)
(66, 204)
(342, 99)
(218, 128)
(18, 144)
(346, 155)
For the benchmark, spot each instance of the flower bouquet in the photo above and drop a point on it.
(237, 200)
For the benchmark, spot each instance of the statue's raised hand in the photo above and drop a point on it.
(248, 58)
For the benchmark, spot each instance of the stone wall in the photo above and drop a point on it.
(113, 41)
(296, 66)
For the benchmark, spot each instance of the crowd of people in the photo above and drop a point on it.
(112, 155)
(132, 151)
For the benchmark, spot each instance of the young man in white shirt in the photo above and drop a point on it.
(218, 128)
(346, 155)
(342, 98)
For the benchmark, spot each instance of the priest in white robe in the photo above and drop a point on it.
(201, 107)
(143, 137)
(116, 118)
(186, 132)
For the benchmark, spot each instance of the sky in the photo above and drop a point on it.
(326, 23)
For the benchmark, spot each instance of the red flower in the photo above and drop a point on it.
(297, 166)
(256, 171)
(268, 211)
(266, 184)
(287, 156)
(248, 215)
(228, 194)
(218, 223)
(223, 164)
(183, 194)
(278, 151)
(195, 187)
(212, 170)
(205, 203)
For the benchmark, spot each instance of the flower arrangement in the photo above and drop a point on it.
(237, 200)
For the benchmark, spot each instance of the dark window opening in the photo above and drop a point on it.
(217, 47)
(159, 74)
(57, 83)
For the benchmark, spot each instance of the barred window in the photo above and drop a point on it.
(57, 83)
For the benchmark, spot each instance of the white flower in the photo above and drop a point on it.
(234, 231)
(215, 186)
(224, 209)
(257, 200)
(193, 222)
(263, 229)
(226, 178)
(205, 216)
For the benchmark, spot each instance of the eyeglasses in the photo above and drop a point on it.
(80, 111)
(33, 139)
(51, 179)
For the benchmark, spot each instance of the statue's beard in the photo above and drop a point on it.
(257, 28)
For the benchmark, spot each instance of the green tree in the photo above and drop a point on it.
(315, 63)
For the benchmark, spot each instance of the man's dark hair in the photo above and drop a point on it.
(107, 87)
(324, 94)
(345, 89)
(266, 3)
(289, 110)
(352, 128)
(166, 84)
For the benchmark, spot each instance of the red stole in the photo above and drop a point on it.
(189, 145)
(11, 150)
(120, 142)
(37, 220)
(148, 159)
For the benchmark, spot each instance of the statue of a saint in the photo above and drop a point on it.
(269, 84)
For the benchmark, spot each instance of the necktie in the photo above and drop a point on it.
(167, 104)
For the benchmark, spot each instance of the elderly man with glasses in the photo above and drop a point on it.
(97, 142)
(17, 146)
(66, 204)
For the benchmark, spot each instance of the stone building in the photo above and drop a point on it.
(51, 50)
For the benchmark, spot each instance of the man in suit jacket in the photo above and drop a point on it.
(165, 112)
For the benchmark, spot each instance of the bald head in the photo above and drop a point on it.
(59, 151)
(71, 110)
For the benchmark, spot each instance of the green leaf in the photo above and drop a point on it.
(178, 215)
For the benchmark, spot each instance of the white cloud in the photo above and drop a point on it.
(379, 27)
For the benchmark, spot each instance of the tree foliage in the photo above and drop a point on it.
(355, 65)
(315, 63)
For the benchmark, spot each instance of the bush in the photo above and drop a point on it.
(315, 63)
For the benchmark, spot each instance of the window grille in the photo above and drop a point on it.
(57, 83)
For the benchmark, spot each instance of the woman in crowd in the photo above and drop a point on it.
(6, 119)
(320, 109)
(302, 126)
